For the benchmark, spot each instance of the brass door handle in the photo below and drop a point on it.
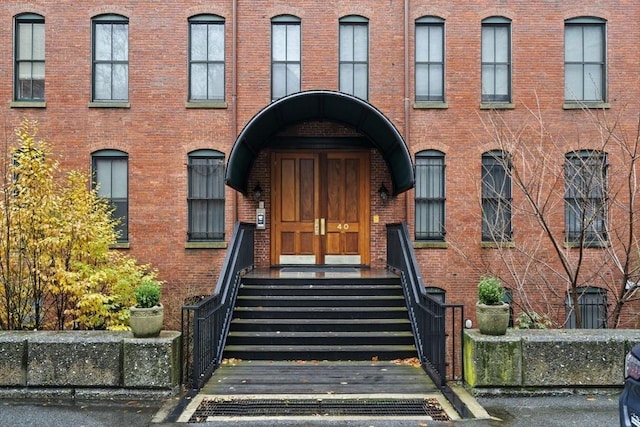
(316, 227)
(322, 228)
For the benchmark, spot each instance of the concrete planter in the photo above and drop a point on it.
(526, 361)
(88, 364)
(146, 322)
(492, 319)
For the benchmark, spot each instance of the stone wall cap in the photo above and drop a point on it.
(559, 335)
(78, 336)
(164, 336)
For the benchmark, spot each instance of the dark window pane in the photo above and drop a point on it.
(585, 198)
(206, 195)
(429, 196)
(29, 58)
(496, 63)
(285, 59)
(584, 57)
(430, 62)
(110, 60)
(206, 60)
(496, 198)
(111, 178)
(354, 59)
(592, 303)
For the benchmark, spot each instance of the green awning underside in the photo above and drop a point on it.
(320, 105)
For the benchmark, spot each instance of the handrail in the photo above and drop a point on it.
(205, 325)
(436, 326)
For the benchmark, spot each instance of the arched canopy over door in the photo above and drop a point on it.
(321, 105)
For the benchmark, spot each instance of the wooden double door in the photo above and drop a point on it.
(320, 207)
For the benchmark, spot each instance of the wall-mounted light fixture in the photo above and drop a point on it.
(257, 192)
(383, 192)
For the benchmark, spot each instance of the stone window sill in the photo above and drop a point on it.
(28, 104)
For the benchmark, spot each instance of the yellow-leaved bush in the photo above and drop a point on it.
(56, 268)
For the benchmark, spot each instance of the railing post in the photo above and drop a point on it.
(211, 316)
(428, 316)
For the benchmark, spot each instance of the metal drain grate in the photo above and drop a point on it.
(318, 407)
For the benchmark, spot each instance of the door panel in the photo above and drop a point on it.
(347, 214)
(320, 208)
(294, 208)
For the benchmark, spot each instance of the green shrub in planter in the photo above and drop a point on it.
(490, 291)
(147, 293)
(147, 316)
(492, 313)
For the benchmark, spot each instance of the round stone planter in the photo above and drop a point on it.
(492, 319)
(146, 322)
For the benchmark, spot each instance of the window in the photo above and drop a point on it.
(110, 174)
(584, 60)
(429, 195)
(206, 196)
(354, 56)
(592, 303)
(430, 59)
(585, 198)
(496, 60)
(285, 56)
(29, 57)
(438, 294)
(508, 298)
(206, 58)
(496, 197)
(110, 58)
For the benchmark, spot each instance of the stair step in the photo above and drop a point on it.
(339, 280)
(293, 312)
(329, 318)
(320, 352)
(321, 301)
(323, 289)
(320, 337)
(315, 325)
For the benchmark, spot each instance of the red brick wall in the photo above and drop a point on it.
(158, 131)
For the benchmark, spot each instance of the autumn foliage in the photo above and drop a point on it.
(56, 269)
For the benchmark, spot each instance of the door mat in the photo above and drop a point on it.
(319, 270)
(209, 409)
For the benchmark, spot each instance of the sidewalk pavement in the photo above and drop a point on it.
(598, 410)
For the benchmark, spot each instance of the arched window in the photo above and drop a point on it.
(436, 293)
(592, 303)
(585, 198)
(206, 196)
(585, 60)
(508, 298)
(285, 56)
(496, 60)
(29, 57)
(110, 58)
(354, 56)
(429, 196)
(206, 58)
(496, 197)
(110, 175)
(429, 59)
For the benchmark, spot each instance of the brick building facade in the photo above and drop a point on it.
(153, 96)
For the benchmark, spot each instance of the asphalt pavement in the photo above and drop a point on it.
(597, 410)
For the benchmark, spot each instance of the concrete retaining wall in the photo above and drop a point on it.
(88, 363)
(552, 358)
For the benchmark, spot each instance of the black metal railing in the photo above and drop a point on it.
(205, 324)
(437, 327)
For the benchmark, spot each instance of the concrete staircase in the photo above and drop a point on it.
(337, 318)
